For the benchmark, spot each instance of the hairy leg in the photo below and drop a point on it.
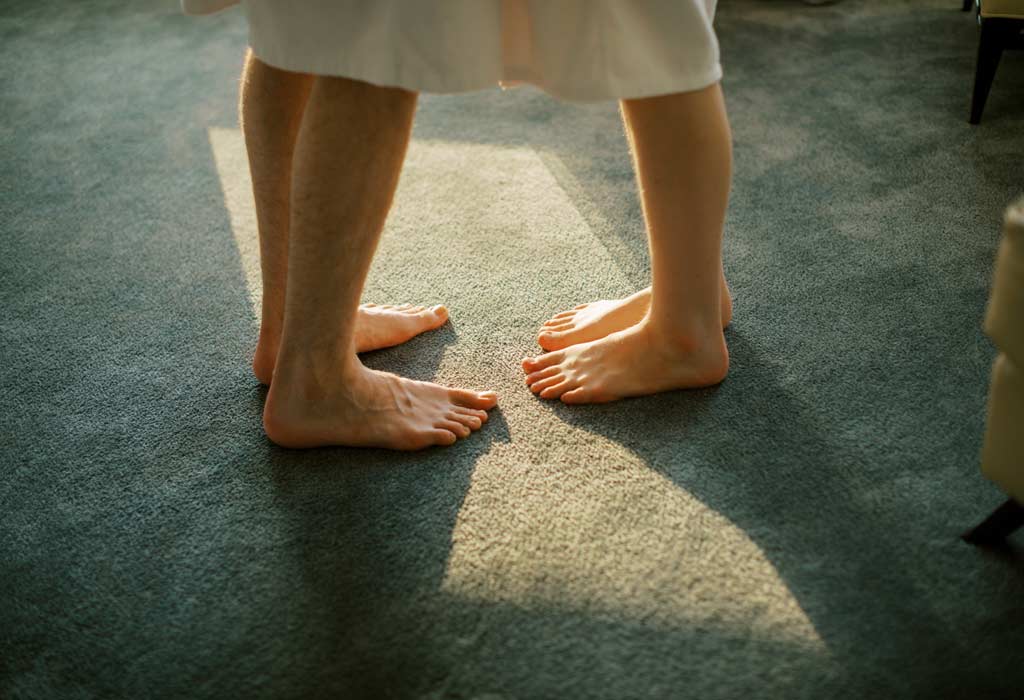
(272, 103)
(683, 157)
(348, 156)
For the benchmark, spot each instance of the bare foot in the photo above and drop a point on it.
(632, 362)
(360, 407)
(597, 319)
(377, 327)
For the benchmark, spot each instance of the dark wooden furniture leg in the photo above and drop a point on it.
(998, 526)
(968, 4)
(997, 33)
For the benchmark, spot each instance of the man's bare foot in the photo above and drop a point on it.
(360, 407)
(597, 319)
(377, 327)
(632, 362)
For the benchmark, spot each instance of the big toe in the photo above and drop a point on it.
(440, 312)
(434, 317)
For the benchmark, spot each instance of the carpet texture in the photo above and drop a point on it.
(792, 533)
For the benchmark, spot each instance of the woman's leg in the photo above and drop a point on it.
(271, 106)
(683, 156)
(597, 319)
(348, 156)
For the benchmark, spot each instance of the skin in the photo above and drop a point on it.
(349, 145)
(678, 342)
(272, 104)
(596, 319)
(347, 149)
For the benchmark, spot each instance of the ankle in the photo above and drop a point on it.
(686, 336)
(269, 337)
(701, 348)
(312, 372)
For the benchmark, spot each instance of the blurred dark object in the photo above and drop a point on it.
(1001, 24)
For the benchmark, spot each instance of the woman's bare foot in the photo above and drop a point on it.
(631, 362)
(377, 327)
(597, 319)
(358, 407)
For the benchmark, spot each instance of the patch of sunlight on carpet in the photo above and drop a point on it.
(612, 538)
(615, 538)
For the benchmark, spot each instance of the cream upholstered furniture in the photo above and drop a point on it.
(1002, 456)
(1001, 24)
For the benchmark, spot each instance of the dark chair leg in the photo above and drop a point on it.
(998, 526)
(968, 4)
(990, 50)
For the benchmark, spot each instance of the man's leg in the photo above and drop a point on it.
(348, 155)
(683, 155)
(271, 106)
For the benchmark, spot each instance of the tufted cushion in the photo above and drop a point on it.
(1002, 458)
(1004, 321)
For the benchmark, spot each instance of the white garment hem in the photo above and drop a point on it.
(287, 60)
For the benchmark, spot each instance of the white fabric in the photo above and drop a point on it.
(574, 49)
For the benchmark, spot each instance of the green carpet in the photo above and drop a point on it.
(792, 533)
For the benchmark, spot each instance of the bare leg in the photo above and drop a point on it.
(348, 155)
(592, 321)
(596, 319)
(272, 104)
(683, 154)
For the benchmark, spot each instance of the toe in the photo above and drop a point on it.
(440, 436)
(577, 395)
(460, 429)
(408, 309)
(473, 399)
(556, 390)
(471, 422)
(440, 311)
(557, 321)
(559, 327)
(431, 318)
(475, 413)
(554, 340)
(580, 306)
(532, 364)
(538, 387)
(542, 374)
(368, 306)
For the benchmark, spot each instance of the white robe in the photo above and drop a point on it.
(581, 50)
